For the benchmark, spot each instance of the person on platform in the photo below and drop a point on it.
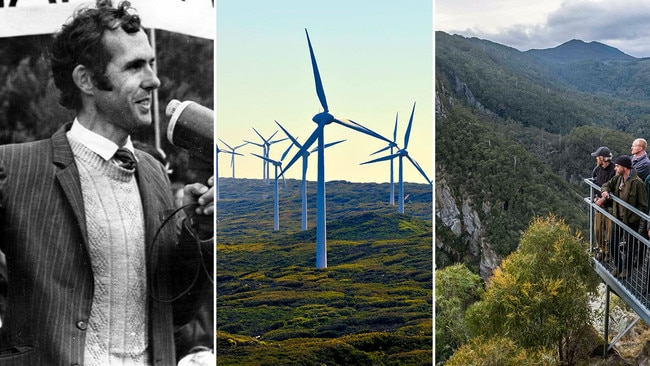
(627, 186)
(602, 173)
(640, 161)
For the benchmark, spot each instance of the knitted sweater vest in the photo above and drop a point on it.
(117, 331)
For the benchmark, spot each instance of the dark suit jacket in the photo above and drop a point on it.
(43, 234)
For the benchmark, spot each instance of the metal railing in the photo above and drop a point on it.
(620, 256)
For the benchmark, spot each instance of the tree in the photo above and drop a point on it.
(456, 288)
(538, 296)
(498, 351)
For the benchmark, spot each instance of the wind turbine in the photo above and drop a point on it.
(305, 158)
(264, 154)
(403, 153)
(266, 143)
(276, 204)
(390, 146)
(232, 151)
(322, 119)
(216, 173)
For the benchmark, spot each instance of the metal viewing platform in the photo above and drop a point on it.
(631, 283)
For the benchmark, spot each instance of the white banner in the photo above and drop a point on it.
(27, 17)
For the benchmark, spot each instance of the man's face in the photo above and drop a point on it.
(127, 107)
(620, 170)
(636, 147)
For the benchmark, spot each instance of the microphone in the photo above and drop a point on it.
(191, 127)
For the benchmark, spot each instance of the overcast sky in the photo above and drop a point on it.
(624, 24)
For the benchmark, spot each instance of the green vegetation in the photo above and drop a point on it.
(514, 133)
(538, 297)
(456, 289)
(371, 306)
(499, 351)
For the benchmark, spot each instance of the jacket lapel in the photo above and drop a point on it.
(68, 176)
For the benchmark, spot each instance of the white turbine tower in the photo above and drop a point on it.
(322, 119)
(305, 158)
(276, 197)
(216, 173)
(403, 153)
(390, 146)
(233, 152)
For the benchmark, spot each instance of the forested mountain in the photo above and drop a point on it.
(577, 50)
(514, 133)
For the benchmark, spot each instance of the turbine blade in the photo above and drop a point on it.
(355, 126)
(317, 80)
(395, 129)
(408, 129)
(326, 146)
(254, 143)
(304, 148)
(417, 166)
(382, 149)
(280, 140)
(332, 143)
(267, 159)
(258, 134)
(284, 155)
(295, 142)
(269, 139)
(383, 158)
(244, 144)
(226, 144)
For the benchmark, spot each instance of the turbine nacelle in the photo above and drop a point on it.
(323, 118)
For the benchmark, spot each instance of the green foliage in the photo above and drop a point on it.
(538, 296)
(381, 349)
(506, 184)
(554, 97)
(499, 351)
(373, 305)
(456, 289)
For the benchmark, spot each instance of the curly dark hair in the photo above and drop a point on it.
(80, 43)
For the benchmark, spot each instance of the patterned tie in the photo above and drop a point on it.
(125, 157)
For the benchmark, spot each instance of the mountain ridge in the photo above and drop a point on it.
(578, 50)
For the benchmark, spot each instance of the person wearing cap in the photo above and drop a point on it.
(627, 186)
(602, 173)
(640, 161)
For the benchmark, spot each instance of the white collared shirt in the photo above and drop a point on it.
(96, 142)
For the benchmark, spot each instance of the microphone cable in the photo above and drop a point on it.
(200, 266)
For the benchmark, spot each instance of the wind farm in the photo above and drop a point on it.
(322, 119)
(298, 255)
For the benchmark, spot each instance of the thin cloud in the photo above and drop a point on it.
(620, 24)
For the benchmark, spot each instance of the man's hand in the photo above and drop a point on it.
(201, 195)
(200, 213)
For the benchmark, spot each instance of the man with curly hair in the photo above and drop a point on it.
(95, 277)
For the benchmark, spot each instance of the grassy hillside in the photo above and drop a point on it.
(371, 306)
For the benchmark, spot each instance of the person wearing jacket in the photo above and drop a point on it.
(627, 186)
(602, 173)
(95, 275)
